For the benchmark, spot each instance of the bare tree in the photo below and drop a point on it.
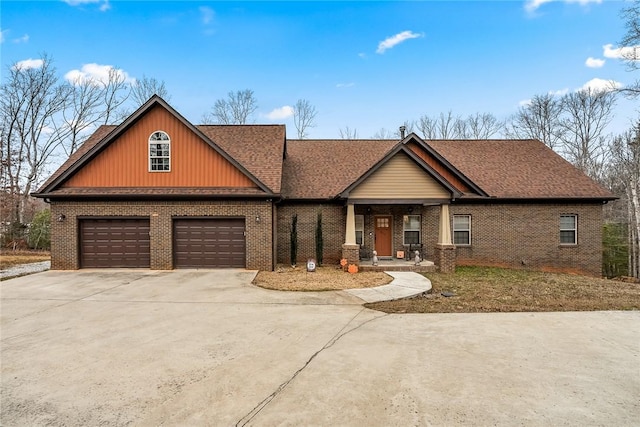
(383, 133)
(625, 166)
(236, 109)
(348, 133)
(42, 117)
(540, 119)
(83, 109)
(115, 91)
(146, 87)
(482, 126)
(445, 126)
(631, 45)
(29, 103)
(304, 115)
(586, 115)
(428, 126)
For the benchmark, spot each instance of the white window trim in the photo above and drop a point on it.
(419, 230)
(574, 229)
(168, 142)
(360, 229)
(465, 229)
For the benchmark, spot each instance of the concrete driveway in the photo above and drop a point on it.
(194, 347)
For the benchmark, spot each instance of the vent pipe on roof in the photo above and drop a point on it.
(402, 131)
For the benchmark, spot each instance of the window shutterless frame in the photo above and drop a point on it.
(462, 230)
(159, 152)
(569, 229)
(411, 226)
(359, 229)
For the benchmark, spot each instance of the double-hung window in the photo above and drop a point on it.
(462, 230)
(159, 152)
(411, 229)
(359, 229)
(568, 229)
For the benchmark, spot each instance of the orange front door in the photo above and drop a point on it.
(383, 235)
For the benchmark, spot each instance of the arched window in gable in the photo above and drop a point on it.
(159, 152)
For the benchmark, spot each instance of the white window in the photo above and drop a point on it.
(159, 152)
(360, 229)
(568, 229)
(462, 230)
(411, 229)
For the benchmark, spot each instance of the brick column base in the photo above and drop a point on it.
(446, 258)
(351, 253)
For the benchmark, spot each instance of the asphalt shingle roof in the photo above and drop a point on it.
(518, 169)
(522, 169)
(322, 169)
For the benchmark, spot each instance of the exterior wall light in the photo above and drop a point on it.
(257, 218)
(61, 217)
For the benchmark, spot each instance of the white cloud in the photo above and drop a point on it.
(280, 113)
(207, 14)
(392, 41)
(98, 73)
(533, 5)
(559, 92)
(23, 39)
(524, 102)
(28, 63)
(104, 4)
(599, 85)
(362, 55)
(350, 84)
(2, 33)
(594, 62)
(629, 52)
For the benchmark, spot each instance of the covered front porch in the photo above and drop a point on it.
(394, 232)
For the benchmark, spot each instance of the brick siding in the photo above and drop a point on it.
(65, 239)
(333, 229)
(513, 235)
(526, 235)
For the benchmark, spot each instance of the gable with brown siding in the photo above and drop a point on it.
(124, 163)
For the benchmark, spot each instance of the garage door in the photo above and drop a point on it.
(208, 243)
(114, 243)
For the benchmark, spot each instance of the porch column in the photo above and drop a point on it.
(350, 235)
(444, 236)
(445, 249)
(350, 249)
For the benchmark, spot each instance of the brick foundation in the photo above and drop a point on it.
(351, 253)
(445, 258)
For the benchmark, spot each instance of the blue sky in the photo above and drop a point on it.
(365, 65)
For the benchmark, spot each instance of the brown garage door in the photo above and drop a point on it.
(208, 242)
(114, 243)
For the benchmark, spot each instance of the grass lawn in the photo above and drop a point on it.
(11, 258)
(487, 289)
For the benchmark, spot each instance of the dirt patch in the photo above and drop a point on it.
(486, 289)
(12, 258)
(323, 279)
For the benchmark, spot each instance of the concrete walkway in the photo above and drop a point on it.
(405, 284)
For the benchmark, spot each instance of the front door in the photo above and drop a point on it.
(383, 236)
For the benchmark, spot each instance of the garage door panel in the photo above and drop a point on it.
(114, 243)
(209, 243)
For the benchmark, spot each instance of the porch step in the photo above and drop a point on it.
(426, 268)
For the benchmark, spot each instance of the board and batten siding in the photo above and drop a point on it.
(125, 162)
(438, 167)
(399, 178)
